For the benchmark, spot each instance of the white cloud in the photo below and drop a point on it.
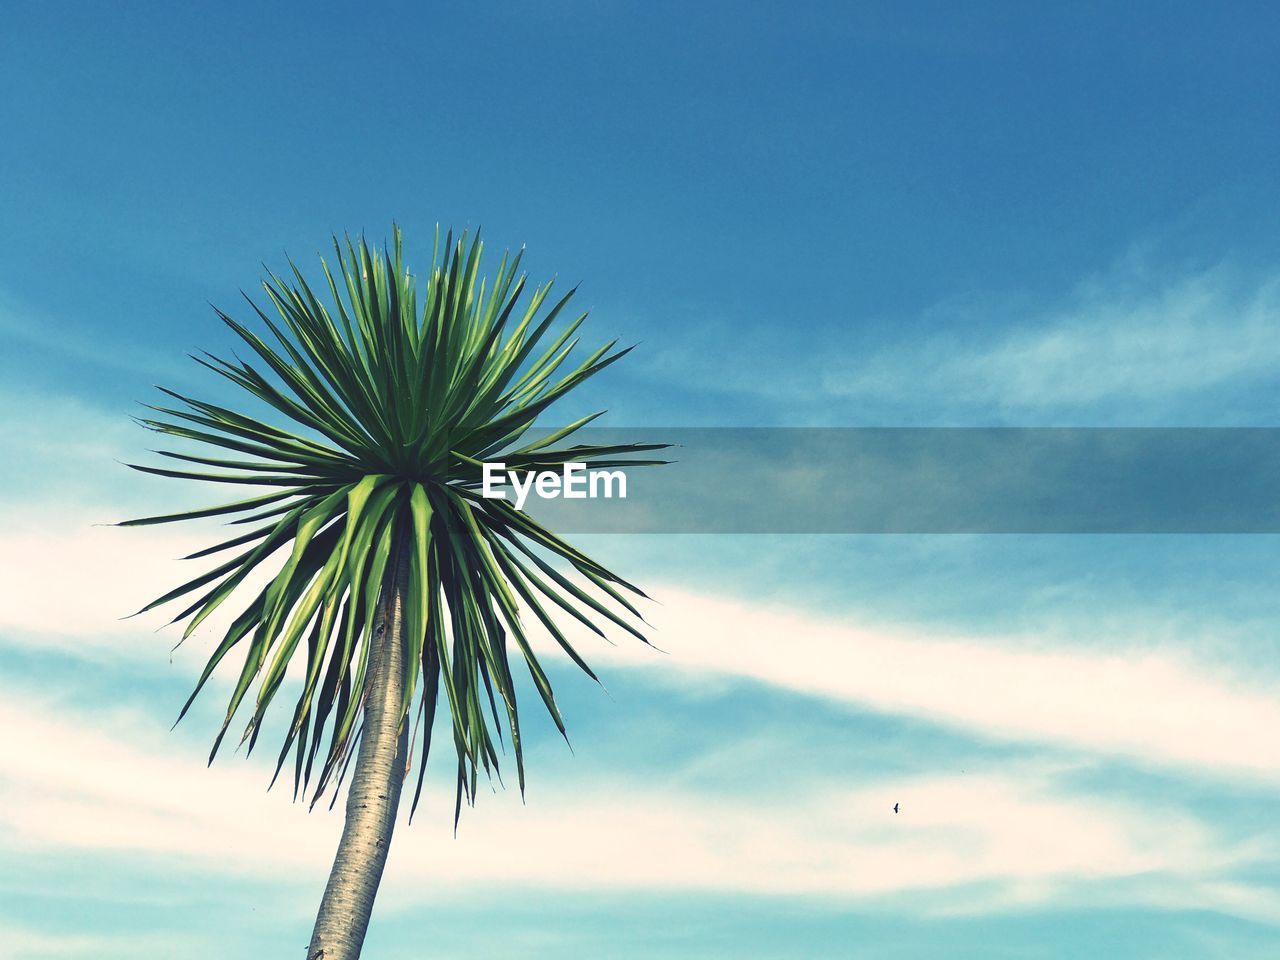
(28, 943)
(1117, 341)
(74, 782)
(67, 577)
(1149, 705)
(964, 843)
(1152, 707)
(77, 782)
(75, 581)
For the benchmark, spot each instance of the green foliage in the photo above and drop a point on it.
(391, 407)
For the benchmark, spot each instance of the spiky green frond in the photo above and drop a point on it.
(388, 401)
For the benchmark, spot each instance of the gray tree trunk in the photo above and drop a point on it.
(374, 795)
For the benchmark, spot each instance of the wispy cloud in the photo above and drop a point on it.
(1134, 344)
(23, 327)
(69, 576)
(106, 783)
(1151, 705)
(61, 449)
(81, 782)
(1119, 341)
(32, 943)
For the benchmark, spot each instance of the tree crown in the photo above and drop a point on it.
(391, 401)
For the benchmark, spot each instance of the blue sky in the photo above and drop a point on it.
(874, 214)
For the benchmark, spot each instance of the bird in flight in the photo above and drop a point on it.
(895, 808)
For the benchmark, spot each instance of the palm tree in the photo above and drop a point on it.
(398, 578)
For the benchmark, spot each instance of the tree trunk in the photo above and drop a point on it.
(374, 794)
